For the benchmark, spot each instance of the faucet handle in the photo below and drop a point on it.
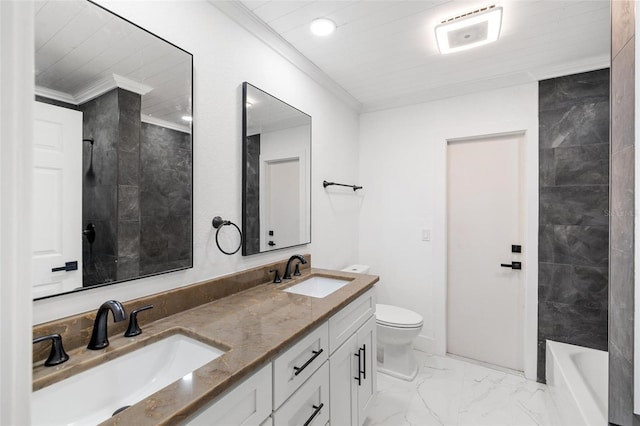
(296, 271)
(57, 354)
(134, 328)
(276, 278)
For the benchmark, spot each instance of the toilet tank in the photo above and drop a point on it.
(358, 269)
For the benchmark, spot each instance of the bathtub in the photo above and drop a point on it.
(578, 382)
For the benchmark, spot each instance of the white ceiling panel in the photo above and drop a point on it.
(384, 51)
(79, 46)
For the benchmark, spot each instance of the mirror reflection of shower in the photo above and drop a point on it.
(90, 174)
(90, 233)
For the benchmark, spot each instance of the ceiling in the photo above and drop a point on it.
(83, 51)
(383, 53)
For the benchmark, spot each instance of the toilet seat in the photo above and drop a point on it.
(397, 317)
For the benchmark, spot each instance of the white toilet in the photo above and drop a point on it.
(396, 328)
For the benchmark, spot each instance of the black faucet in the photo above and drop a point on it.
(287, 270)
(99, 335)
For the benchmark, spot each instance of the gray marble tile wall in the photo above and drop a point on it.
(129, 108)
(251, 218)
(100, 188)
(165, 199)
(621, 286)
(574, 201)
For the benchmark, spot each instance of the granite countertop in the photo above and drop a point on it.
(254, 326)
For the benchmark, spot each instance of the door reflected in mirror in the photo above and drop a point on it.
(276, 198)
(112, 148)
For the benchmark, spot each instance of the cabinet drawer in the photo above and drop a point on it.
(249, 403)
(309, 405)
(343, 324)
(298, 363)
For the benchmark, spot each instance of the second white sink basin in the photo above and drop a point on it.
(92, 396)
(317, 286)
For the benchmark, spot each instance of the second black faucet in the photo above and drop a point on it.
(287, 269)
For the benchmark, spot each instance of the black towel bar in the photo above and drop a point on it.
(355, 187)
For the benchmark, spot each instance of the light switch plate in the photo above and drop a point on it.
(426, 235)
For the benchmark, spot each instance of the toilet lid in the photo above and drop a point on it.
(396, 316)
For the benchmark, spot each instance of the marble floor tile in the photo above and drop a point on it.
(453, 392)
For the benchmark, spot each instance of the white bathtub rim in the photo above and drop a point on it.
(586, 402)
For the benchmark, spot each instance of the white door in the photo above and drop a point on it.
(57, 199)
(484, 219)
(282, 191)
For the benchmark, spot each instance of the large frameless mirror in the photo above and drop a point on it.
(112, 149)
(276, 190)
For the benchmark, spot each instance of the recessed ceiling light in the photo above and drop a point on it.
(322, 27)
(469, 30)
(187, 118)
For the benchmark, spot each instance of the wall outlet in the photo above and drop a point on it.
(426, 235)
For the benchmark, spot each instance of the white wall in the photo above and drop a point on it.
(16, 159)
(225, 55)
(403, 168)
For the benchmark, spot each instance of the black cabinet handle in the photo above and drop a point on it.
(359, 378)
(298, 370)
(68, 266)
(364, 361)
(512, 265)
(316, 411)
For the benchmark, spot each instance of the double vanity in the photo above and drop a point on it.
(233, 350)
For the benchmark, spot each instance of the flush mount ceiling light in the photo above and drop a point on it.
(469, 30)
(322, 27)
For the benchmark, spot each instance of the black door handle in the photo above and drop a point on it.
(68, 266)
(512, 265)
(271, 243)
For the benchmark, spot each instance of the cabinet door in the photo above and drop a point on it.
(343, 384)
(366, 346)
(247, 404)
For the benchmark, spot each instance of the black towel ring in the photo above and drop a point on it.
(218, 223)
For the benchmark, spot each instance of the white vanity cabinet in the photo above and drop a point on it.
(327, 377)
(352, 368)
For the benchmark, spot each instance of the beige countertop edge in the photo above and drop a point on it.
(254, 326)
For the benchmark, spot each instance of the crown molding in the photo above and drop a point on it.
(244, 17)
(95, 89)
(486, 84)
(164, 123)
(55, 95)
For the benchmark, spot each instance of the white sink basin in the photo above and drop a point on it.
(317, 286)
(92, 396)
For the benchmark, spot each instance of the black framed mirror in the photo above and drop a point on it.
(276, 173)
(113, 148)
